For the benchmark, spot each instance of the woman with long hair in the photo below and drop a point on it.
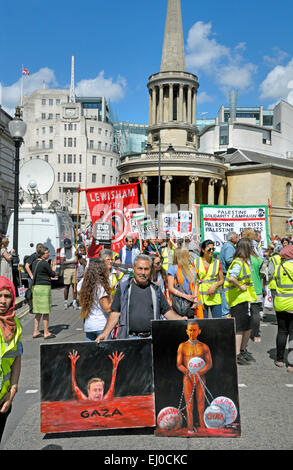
(6, 259)
(240, 292)
(159, 275)
(10, 349)
(182, 274)
(95, 298)
(210, 277)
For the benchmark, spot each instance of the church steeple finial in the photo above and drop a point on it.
(173, 57)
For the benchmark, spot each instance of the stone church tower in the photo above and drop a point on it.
(171, 168)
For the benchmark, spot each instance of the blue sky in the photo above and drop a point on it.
(118, 44)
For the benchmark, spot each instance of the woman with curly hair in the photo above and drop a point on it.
(95, 298)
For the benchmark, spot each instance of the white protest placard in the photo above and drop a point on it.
(185, 222)
(146, 228)
(170, 222)
(218, 221)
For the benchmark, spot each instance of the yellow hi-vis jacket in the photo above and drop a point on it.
(284, 286)
(276, 260)
(8, 353)
(233, 294)
(116, 278)
(207, 279)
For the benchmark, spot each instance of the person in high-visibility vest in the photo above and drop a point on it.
(10, 349)
(273, 262)
(210, 279)
(283, 304)
(239, 292)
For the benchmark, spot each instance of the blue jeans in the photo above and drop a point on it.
(92, 335)
(225, 306)
(216, 311)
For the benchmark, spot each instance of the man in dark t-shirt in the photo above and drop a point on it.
(141, 308)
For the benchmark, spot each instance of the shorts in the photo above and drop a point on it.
(68, 276)
(243, 319)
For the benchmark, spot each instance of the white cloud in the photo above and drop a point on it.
(226, 65)
(11, 93)
(102, 86)
(99, 86)
(203, 97)
(203, 51)
(277, 84)
(276, 58)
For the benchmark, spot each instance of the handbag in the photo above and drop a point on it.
(29, 292)
(182, 306)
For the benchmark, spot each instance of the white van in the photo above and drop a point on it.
(49, 227)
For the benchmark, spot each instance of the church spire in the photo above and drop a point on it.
(173, 57)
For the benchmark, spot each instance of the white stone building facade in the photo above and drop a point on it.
(7, 154)
(76, 139)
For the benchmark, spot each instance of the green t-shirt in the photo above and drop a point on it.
(256, 263)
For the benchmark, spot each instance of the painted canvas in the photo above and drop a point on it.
(195, 374)
(91, 386)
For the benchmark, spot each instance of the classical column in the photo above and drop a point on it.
(180, 104)
(194, 106)
(167, 194)
(211, 191)
(189, 105)
(150, 107)
(200, 200)
(191, 197)
(144, 181)
(171, 102)
(161, 103)
(154, 105)
(221, 198)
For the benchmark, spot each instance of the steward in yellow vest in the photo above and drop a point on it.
(275, 260)
(284, 286)
(236, 293)
(207, 279)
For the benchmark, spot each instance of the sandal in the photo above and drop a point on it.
(37, 336)
(279, 364)
(50, 336)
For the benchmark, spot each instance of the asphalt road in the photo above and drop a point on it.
(265, 394)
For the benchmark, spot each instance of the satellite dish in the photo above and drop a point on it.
(36, 175)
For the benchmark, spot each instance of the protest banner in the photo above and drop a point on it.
(218, 221)
(112, 204)
(185, 222)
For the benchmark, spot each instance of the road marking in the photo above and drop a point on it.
(289, 385)
(242, 385)
(32, 391)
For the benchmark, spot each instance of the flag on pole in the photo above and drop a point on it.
(25, 71)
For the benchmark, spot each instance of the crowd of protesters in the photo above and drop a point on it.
(119, 294)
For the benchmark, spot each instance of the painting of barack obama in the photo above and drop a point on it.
(90, 386)
(195, 377)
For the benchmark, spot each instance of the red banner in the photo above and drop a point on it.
(111, 204)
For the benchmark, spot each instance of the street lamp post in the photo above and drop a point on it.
(159, 188)
(17, 129)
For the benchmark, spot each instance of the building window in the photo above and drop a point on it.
(69, 177)
(64, 177)
(50, 144)
(74, 177)
(51, 129)
(43, 144)
(69, 142)
(50, 102)
(59, 158)
(43, 101)
(58, 177)
(57, 101)
(224, 135)
(69, 158)
(288, 194)
(99, 145)
(94, 177)
(91, 144)
(50, 116)
(74, 142)
(64, 141)
(80, 176)
(103, 161)
(64, 158)
(103, 179)
(266, 137)
(111, 162)
(106, 146)
(43, 115)
(70, 127)
(94, 160)
(74, 158)
(111, 179)
(65, 127)
(91, 130)
(46, 158)
(100, 131)
(43, 130)
(80, 159)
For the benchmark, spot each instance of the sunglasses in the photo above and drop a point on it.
(211, 249)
